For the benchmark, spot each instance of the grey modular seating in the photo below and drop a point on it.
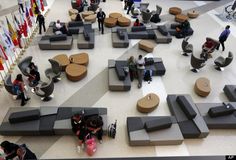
(227, 121)
(160, 34)
(86, 39)
(173, 32)
(230, 92)
(158, 68)
(50, 41)
(119, 37)
(191, 122)
(74, 27)
(31, 121)
(164, 131)
(117, 79)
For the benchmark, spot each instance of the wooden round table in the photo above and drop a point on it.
(181, 18)
(81, 59)
(86, 13)
(202, 87)
(175, 10)
(146, 45)
(193, 14)
(123, 21)
(110, 22)
(73, 17)
(63, 60)
(148, 103)
(75, 72)
(73, 11)
(115, 15)
(90, 18)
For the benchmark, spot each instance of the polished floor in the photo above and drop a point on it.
(93, 91)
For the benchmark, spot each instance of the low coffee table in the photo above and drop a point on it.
(73, 11)
(110, 22)
(123, 21)
(115, 15)
(86, 13)
(193, 14)
(63, 60)
(202, 87)
(175, 10)
(146, 45)
(148, 103)
(81, 59)
(75, 72)
(90, 18)
(181, 18)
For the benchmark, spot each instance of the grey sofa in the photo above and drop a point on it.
(192, 124)
(221, 122)
(114, 83)
(74, 27)
(162, 35)
(158, 68)
(119, 37)
(139, 136)
(50, 121)
(86, 39)
(230, 92)
(173, 32)
(55, 42)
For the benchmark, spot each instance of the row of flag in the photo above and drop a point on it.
(12, 37)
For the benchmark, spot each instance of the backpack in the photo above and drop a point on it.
(16, 89)
(147, 76)
(112, 130)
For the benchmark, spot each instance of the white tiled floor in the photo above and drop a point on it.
(178, 79)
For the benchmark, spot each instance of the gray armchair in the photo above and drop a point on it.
(54, 72)
(143, 6)
(146, 16)
(24, 64)
(93, 7)
(196, 63)
(9, 85)
(45, 90)
(222, 62)
(134, 11)
(186, 47)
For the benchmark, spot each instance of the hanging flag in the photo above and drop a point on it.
(13, 34)
(7, 41)
(24, 25)
(3, 53)
(28, 17)
(1, 64)
(35, 8)
(42, 5)
(39, 4)
(29, 6)
(18, 29)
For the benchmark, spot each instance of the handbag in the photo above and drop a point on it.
(91, 146)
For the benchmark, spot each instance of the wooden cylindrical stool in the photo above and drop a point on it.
(110, 22)
(81, 59)
(75, 72)
(63, 60)
(202, 87)
(148, 103)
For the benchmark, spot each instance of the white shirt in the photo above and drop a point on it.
(20, 1)
(58, 25)
(140, 63)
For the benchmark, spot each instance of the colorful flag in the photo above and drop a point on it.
(35, 8)
(24, 25)
(7, 40)
(1, 64)
(18, 29)
(13, 34)
(42, 5)
(28, 17)
(3, 53)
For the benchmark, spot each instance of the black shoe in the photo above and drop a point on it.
(27, 99)
(22, 104)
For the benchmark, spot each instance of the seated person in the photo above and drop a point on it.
(61, 27)
(34, 77)
(137, 23)
(78, 17)
(207, 48)
(24, 153)
(183, 28)
(10, 149)
(94, 125)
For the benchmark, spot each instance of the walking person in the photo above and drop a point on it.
(21, 6)
(140, 70)
(223, 37)
(129, 3)
(101, 16)
(41, 20)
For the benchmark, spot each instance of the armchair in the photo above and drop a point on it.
(146, 16)
(45, 90)
(54, 72)
(143, 6)
(23, 65)
(156, 15)
(186, 47)
(222, 62)
(9, 85)
(196, 63)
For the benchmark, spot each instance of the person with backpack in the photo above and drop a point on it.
(19, 89)
(140, 63)
(223, 37)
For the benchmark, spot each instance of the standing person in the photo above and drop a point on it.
(41, 20)
(132, 68)
(223, 37)
(101, 16)
(21, 6)
(10, 149)
(129, 3)
(140, 70)
(19, 88)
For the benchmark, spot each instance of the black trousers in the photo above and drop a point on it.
(21, 7)
(40, 27)
(222, 42)
(23, 99)
(129, 8)
(100, 25)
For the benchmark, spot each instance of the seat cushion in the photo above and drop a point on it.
(24, 116)
(186, 107)
(163, 30)
(221, 110)
(189, 129)
(121, 34)
(86, 35)
(75, 24)
(158, 124)
(60, 37)
(138, 28)
(119, 66)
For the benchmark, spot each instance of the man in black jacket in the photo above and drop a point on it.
(101, 16)
(129, 5)
(41, 21)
